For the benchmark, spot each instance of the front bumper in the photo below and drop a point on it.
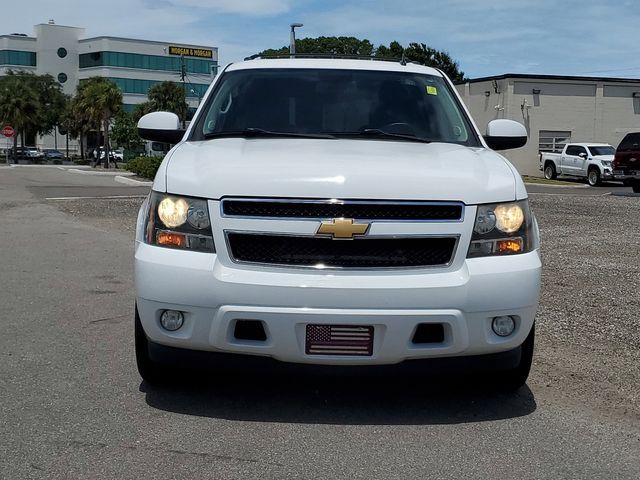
(213, 296)
(623, 175)
(607, 174)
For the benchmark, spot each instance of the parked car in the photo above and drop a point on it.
(51, 154)
(336, 213)
(626, 165)
(34, 153)
(591, 161)
(118, 155)
(18, 153)
(26, 153)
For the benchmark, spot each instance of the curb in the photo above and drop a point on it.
(88, 172)
(624, 194)
(555, 186)
(131, 181)
(61, 167)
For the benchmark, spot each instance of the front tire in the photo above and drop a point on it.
(593, 177)
(550, 171)
(512, 380)
(636, 186)
(150, 371)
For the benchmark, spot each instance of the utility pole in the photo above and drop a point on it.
(183, 74)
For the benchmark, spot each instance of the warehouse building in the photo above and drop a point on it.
(134, 65)
(555, 110)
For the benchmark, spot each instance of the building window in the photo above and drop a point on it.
(17, 57)
(62, 77)
(146, 62)
(553, 141)
(133, 85)
(62, 52)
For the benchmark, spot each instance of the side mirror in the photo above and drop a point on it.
(163, 127)
(582, 155)
(503, 134)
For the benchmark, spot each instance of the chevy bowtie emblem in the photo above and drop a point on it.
(343, 228)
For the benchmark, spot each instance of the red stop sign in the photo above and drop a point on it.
(8, 131)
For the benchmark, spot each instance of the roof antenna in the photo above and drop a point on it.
(403, 61)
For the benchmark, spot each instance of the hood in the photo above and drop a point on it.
(339, 168)
(607, 158)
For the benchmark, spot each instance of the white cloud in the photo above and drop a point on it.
(489, 37)
(247, 7)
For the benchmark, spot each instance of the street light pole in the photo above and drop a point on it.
(292, 39)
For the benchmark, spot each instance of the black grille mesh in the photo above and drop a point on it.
(357, 253)
(368, 211)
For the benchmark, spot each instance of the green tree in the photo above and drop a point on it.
(19, 106)
(50, 96)
(419, 52)
(75, 120)
(100, 99)
(328, 46)
(394, 50)
(142, 109)
(350, 46)
(169, 97)
(124, 132)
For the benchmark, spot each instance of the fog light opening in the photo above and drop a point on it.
(503, 326)
(171, 320)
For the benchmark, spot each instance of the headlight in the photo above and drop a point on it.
(607, 163)
(173, 211)
(509, 218)
(179, 222)
(502, 229)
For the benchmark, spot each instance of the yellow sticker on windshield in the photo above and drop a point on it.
(431, 90)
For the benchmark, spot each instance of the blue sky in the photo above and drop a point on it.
(486, 37)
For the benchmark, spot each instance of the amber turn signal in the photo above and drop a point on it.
(512, 245)
(172, 239)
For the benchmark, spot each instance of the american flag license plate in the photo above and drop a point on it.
(339, 340)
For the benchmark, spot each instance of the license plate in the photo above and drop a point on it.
(339, 340)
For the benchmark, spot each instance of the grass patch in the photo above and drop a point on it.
(544, 181)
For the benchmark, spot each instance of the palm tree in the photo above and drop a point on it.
(19, 107)
(101, 99)
(76, 122)
(142, 109)
(169, 97)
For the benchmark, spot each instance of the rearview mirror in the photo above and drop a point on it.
(503, 134)
(161, 127)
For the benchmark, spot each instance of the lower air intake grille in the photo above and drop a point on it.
(358, 253)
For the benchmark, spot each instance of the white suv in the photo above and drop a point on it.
(346, 213)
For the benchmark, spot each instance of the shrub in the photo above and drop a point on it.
(144, 166)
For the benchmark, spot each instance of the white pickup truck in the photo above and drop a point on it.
(592, 161)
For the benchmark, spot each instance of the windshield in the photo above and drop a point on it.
(595, 151)
(334, 103)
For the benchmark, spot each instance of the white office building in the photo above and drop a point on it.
(134, 65)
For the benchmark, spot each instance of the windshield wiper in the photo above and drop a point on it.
(259, 132)
(376, 132)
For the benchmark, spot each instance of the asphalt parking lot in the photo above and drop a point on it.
(73, 405)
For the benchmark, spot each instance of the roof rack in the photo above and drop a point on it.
(402, 61)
